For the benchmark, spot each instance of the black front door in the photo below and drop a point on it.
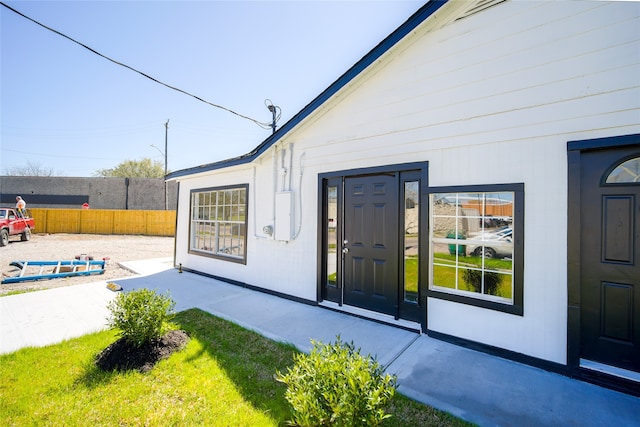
(370, 244)
(610, 257)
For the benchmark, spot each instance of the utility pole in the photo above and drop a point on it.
(166, 159)
(274, 113)
(166, 154)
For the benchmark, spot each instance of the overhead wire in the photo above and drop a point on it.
(62, 155)
(263, 125)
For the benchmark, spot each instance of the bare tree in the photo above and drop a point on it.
(31, 169)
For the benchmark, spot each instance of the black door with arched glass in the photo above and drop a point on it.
(610, 257)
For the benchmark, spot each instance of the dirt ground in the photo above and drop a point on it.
(55, 247)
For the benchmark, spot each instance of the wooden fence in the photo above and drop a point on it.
(105, 221)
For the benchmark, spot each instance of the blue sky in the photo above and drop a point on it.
(66, 109)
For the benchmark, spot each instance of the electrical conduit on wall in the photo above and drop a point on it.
(279, 159)
(274, 165)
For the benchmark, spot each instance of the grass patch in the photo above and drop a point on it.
(224, 377)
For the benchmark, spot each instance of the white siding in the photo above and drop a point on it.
(280, 266)
(489, 99)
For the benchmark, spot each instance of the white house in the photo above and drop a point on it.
(475, 176)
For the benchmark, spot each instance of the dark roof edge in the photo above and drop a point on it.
(401, 32)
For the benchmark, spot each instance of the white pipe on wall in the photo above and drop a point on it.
(297, 232)
(274, 165)
(290, 165)
(283, 170)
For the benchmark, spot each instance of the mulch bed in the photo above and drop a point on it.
(123, 356)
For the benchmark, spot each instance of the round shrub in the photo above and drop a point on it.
(141, 315)
(335, 386)
(473, 278)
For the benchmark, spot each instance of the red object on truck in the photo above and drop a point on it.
(14, 223)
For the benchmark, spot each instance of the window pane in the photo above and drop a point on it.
(331, 237)
(411, 240)
(440, 252)
(471, 280)
(444, 276)
(504, 286)
(627, 172)
(445, 227)
(472, 204)
(445, 204)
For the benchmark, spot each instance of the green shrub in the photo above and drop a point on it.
(141, 315)
(473, 278)
(334, 385)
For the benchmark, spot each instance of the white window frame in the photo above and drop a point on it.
(218, 222)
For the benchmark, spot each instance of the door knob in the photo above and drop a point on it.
(345, 250)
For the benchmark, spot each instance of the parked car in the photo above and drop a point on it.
(492, 244)
(14, 223)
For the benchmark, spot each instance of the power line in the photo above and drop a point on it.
(261, 124)
(64, 155)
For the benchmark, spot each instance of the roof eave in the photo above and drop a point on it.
(385, 45)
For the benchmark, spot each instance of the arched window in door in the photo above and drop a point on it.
(627, 172)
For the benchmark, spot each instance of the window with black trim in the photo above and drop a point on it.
(476, 242)
(219, 222)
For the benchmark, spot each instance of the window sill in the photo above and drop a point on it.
(476, 302)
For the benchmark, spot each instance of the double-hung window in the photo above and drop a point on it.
(219, 222)
(476, 239)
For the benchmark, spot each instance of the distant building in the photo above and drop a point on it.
(99, 193)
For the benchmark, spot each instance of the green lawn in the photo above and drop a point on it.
(446, 276)
(224, 377)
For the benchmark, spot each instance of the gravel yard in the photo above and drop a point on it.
(56, 247)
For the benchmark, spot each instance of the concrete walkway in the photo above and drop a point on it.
(483, 389)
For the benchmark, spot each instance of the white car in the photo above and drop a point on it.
(492, 244)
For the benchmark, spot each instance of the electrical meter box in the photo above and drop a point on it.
(284, 216)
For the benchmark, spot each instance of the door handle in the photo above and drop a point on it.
(345, 250)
